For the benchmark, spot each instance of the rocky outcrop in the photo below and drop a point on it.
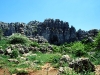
(54, 31)
(82, 65)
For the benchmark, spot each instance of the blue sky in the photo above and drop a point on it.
(82, 14)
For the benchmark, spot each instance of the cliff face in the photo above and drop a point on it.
(55, 31)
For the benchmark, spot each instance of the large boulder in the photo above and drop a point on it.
(82, 65)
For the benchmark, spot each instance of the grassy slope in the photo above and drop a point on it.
(71, 49)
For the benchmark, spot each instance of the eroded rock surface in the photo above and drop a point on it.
(54, 31)
(82, 65)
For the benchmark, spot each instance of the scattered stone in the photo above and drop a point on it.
(33, 55)
(13, 60)
(21, 50)
(23, 58)
(50, 47)
(36, 61)
(26, 54)
(8, 51)
(31, 48)
(21, 71)
(61, 69)
(26, 50)
(65, 58)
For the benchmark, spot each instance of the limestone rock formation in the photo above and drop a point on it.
(54, 31)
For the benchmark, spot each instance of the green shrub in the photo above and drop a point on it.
(55, 59)
(3, 43)
(14, 53)
(31, 58)
(80, 52)
(95, 58)
(44, 58)
(97, 41)
(18, 38)
(56, 49)
(68, 44)
(78, 49)
(34, 44)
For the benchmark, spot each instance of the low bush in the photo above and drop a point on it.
(3, 43)
(55, 59)
(80, 53)
(34, 44)
(78, 49)
(18, 39)
(97, 41)
(56, 49)
(14, 53)
(31, 58)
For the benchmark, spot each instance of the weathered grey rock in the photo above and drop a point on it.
(40, 39)
(54, 31)
(82, 65)
(21, 50)
(65, 58)
(90, 39)
(81, 34)
(61, 69)
(26, 50)
(23, 58)
(31, 48)
(13, 60)
(50, 47)
(93, 32)
(43, 49)
(8, 51)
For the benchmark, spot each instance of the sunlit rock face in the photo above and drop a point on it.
(55, 31)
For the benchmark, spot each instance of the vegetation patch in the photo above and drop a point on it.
(18, 39)
(35, 60)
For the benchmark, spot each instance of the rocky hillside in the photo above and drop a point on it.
(55, 31)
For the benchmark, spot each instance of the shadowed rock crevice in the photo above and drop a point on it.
(53, 39)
